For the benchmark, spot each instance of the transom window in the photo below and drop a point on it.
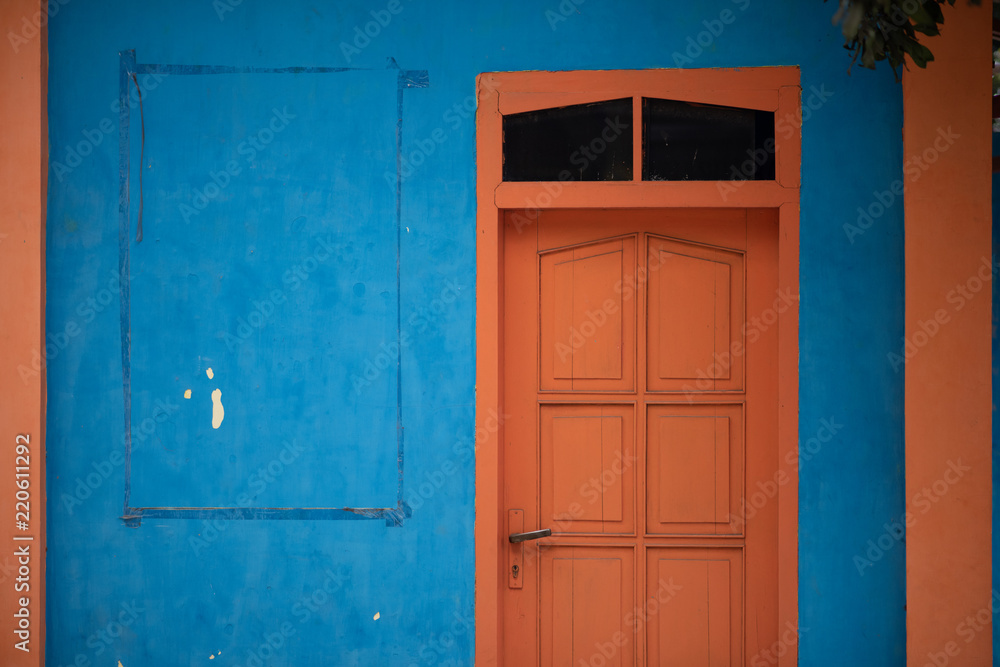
(681, 141)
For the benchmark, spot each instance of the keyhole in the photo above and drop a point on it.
(514, 571)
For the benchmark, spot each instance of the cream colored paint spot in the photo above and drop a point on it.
(210, 373)
(187, 393)
(376, 616)
(218, 412)
(211, 657)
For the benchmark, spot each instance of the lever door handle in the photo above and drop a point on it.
(532, 535)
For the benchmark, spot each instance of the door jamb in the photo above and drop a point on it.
(767, 88)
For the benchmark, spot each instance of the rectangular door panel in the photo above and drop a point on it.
(694, 468)
(698, 616)
(586, 598)
(588, 463)
(695, 314)
(587, 323)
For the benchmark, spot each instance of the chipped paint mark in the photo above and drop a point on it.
(211, 657)
(218, 412)
(187, 393)
(209, 372)
(376, 616)
(119, 663)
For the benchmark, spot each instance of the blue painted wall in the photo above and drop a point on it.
(300, 244)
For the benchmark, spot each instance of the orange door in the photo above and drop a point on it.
(640, 393)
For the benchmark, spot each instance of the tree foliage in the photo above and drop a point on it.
(877, 30)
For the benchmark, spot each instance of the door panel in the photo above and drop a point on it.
(586, 594)
(640, 408)
(588, 329)
(694, 479)
(695, 313)
(588, 463)
(700, 625)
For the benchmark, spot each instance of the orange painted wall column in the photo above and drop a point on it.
(23, 170)
(948, 376)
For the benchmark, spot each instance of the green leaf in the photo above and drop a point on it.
(934, 9)
(919, 53)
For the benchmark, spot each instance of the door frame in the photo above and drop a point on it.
(774, 89)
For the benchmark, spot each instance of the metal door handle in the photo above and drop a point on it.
(532, 535)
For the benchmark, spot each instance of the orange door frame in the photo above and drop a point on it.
(774, 89)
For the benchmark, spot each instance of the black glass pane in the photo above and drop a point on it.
(584, 142)
(700, 142)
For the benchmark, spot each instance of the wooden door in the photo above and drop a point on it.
(640, 401)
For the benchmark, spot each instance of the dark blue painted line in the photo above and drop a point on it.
(234, 69)
(407, 79)
(392, 516)
(133, 516)
(126, 65)
(400, 87)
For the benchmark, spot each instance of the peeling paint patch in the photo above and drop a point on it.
(376, 616)
(218, 412)
(187, 393)
(210, 373)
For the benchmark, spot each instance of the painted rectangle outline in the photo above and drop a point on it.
(132, 516)
(494, 197)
